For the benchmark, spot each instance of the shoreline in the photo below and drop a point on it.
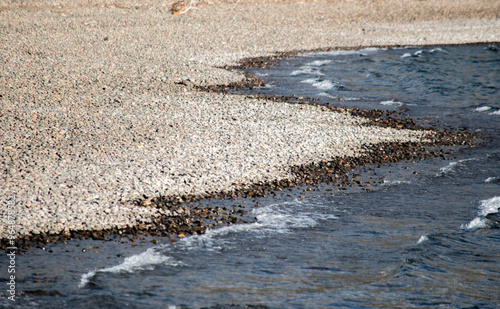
(106, 133)
(184, 219)
(184, 215)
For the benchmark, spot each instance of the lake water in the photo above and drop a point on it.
(427, 234)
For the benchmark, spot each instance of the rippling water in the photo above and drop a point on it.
(426, 235)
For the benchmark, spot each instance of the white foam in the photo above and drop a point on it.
(438, 49)
(495, 113)
(489, 206)
(143, 261)
(492, 179)
(418, 53)
(364, 51)
(326, 94)
(211, 240)
(477, 223)
(448, 168)
(482, 109)
(273, 219)
(322, 85)
(307, 70)
(395, 182)
(422, 239)
(451, 167)
(391, 102)
(309, 81)
(85, 278)
(281, 220)
(373, 49)
(320, 62)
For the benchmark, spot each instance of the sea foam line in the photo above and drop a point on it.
(482, 109)
(272, 219)
(323, 85)
(364, 51)
(451, 166)
(487, 207)
(395, 182)
(420, 52)
(307, 70)
(142, 261)
(391, 102)
(320, 62)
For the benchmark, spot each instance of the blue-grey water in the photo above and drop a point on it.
(426, 234)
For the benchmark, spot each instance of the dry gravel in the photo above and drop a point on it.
(91, 116)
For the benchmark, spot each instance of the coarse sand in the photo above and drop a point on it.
(92, 114)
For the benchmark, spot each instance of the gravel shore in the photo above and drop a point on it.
(93, 115)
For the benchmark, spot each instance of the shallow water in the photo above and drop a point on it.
(426, 234)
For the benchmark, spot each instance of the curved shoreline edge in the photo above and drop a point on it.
(86, 86)
(180, 218)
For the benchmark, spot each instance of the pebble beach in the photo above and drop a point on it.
(99, 104)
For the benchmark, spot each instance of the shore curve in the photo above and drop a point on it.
(95, 113)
